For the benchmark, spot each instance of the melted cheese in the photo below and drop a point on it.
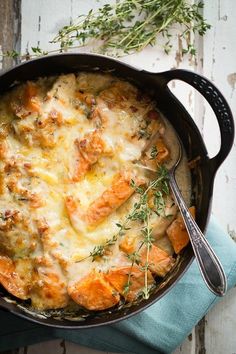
(42, 157)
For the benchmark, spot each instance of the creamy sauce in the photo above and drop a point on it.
(39, 131)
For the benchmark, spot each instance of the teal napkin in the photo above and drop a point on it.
(159, 329)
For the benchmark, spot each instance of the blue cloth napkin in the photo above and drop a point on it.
(159, 329)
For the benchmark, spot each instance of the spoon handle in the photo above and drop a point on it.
(210, 266)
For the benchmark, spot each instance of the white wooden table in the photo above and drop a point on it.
(26, 23)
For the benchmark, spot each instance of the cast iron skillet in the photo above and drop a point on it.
(203, 175)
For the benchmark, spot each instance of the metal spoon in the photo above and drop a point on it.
(209, 265)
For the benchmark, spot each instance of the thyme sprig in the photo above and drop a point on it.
(131, 25)
(140, 212)
(147, 240)
(134, 258)
(128, 26)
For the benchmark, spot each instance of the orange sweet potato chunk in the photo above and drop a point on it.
(30, 99)
(162, 151)
(118, 278)
(94, 292)
(177, 232)
(159, 261)
(25, 101)
(11, 280)
(113, 197)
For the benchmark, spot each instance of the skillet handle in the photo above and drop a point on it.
(219, 105)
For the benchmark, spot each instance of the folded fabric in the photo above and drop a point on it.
(159, 329)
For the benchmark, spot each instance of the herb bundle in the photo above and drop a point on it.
(129, 26)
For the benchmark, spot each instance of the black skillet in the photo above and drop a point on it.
(202, 176)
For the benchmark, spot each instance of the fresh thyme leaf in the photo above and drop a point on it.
(154, 152)
(131, 25)
(12, 54)
(159, 203)
(165, 187)
(137, 189)
(100, 250)
(134, 257)
(127, 285)
(141, 212)
(143, 133)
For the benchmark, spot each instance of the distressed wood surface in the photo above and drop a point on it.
(216, 59)
(10, 29)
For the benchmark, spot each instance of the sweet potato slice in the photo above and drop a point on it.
(11, 280)
(26, 101)
(119, 277)
(30, 97)
(89, 150)
(119, 191)
(162, 151)
(159, 261)
(94, 292)
(157, 154)
(177, 232)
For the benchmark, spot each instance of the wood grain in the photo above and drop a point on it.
(10, 34)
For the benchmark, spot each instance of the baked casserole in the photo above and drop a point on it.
(80, 222)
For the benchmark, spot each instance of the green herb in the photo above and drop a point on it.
(133, 258)
(131, 25)
(100, 250)
(143, 133)
(141, 212)
(154, 152)
(147, 240)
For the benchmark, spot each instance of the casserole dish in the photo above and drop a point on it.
(170, 107)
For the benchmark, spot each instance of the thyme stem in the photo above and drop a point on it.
(139, 212)
(129, 26)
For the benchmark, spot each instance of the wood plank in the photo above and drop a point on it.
(58, 346)
(219, 65)
(10, 34)
(220, 327)
(188, 346)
